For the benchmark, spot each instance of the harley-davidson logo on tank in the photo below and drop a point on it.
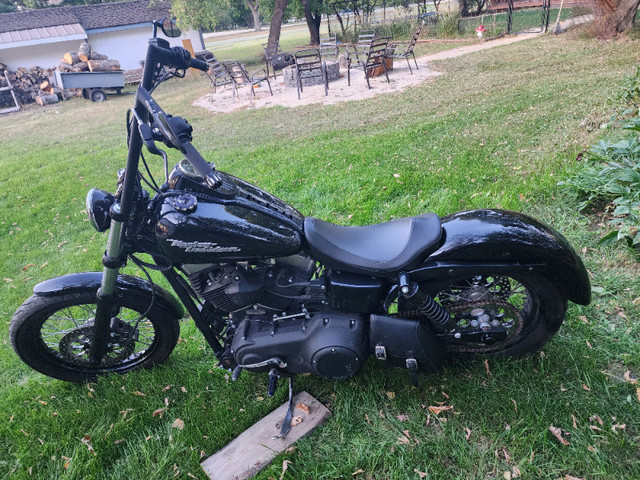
(201, 247)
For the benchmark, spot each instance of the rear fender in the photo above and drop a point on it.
(77, 282)
(502, 242)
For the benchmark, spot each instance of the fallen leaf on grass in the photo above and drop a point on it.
(593, 427)
(295, 421)
(617, 426)
(575, 422)
(24, 269)
(178, 423)
(584, 319)
(584, 387)
(420, 474)
(391, 395)
(638, 393)
(507, 475)
(588, 344)
(516, 472)
(139, 394)
(556, 432)
(304, 408)
(630, 378)
(402, 417)
(468, 433)
(437, 410)
(159, 412)
(357, 472)
(87, 441)
(402, 440)
(569, 477)
(285, 465)
(592, 449)
(486, 366)
(515, 405)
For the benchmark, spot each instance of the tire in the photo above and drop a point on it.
(98, 95)
(52, 335)
(532, 304)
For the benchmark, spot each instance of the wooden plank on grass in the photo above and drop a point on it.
(254, 448)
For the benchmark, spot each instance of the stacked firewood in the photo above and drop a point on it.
(86, 60)
(27, 85)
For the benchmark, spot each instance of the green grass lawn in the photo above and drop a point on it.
(499, 128)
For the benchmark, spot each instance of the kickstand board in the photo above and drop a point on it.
(254, 448)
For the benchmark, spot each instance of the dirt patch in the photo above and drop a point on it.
(400, 79)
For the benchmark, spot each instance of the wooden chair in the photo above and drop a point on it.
(329, 46)
(404, 50)
(374, 58)
(240, 77)
(309, 64)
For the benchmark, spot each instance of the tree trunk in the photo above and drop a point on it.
(335, 9)
(276, 22)
(313, 22)
(624, 16)
(84, 52)
(254, 7)
(103, 65)
(71, 58)
(46, 99)
(464, 8)
(616, 17)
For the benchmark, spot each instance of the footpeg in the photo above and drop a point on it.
(236, 373)
(412, 366)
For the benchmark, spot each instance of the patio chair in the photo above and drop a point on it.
(329, 46)
(374, 58)
(276, 58)
(241, 77)
(404, 50)
(218, 74)
(360, 49)
(309, 64)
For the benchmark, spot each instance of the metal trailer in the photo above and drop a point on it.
(93, 84)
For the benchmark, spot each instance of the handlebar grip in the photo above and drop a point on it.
(199, 64)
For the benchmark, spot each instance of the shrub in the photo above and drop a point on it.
(611, 176)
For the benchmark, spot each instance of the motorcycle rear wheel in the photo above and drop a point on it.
(530, 308)
(52, 335)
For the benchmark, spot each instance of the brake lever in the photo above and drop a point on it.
(146, 132)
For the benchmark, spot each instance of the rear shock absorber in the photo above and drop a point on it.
(421, 300)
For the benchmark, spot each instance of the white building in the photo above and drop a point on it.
(119, 30)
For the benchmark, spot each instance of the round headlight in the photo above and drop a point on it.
(98, 204)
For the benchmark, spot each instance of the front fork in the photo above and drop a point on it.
(107, 293)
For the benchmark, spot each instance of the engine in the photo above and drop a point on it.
(280, 317)
(331, 344)
(271, 286)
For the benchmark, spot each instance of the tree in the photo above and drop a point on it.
(616, 16)
(277, 17)
(313, 16)
(254, 6)
(194, 13)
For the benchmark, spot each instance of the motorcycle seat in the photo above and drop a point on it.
(374, 249)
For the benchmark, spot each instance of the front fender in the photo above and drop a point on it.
(75, 282)
(504, 241)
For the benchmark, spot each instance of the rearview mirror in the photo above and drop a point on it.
(169, 28)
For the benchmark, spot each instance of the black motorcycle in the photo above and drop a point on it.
(274, 291)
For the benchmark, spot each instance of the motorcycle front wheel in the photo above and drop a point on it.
(52, 334)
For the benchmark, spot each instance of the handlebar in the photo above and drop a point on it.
(180, 58)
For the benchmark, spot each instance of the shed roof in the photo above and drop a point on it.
(102, 15)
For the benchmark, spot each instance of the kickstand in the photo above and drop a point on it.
(286, 422)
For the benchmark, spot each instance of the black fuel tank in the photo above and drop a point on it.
(195, 224)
